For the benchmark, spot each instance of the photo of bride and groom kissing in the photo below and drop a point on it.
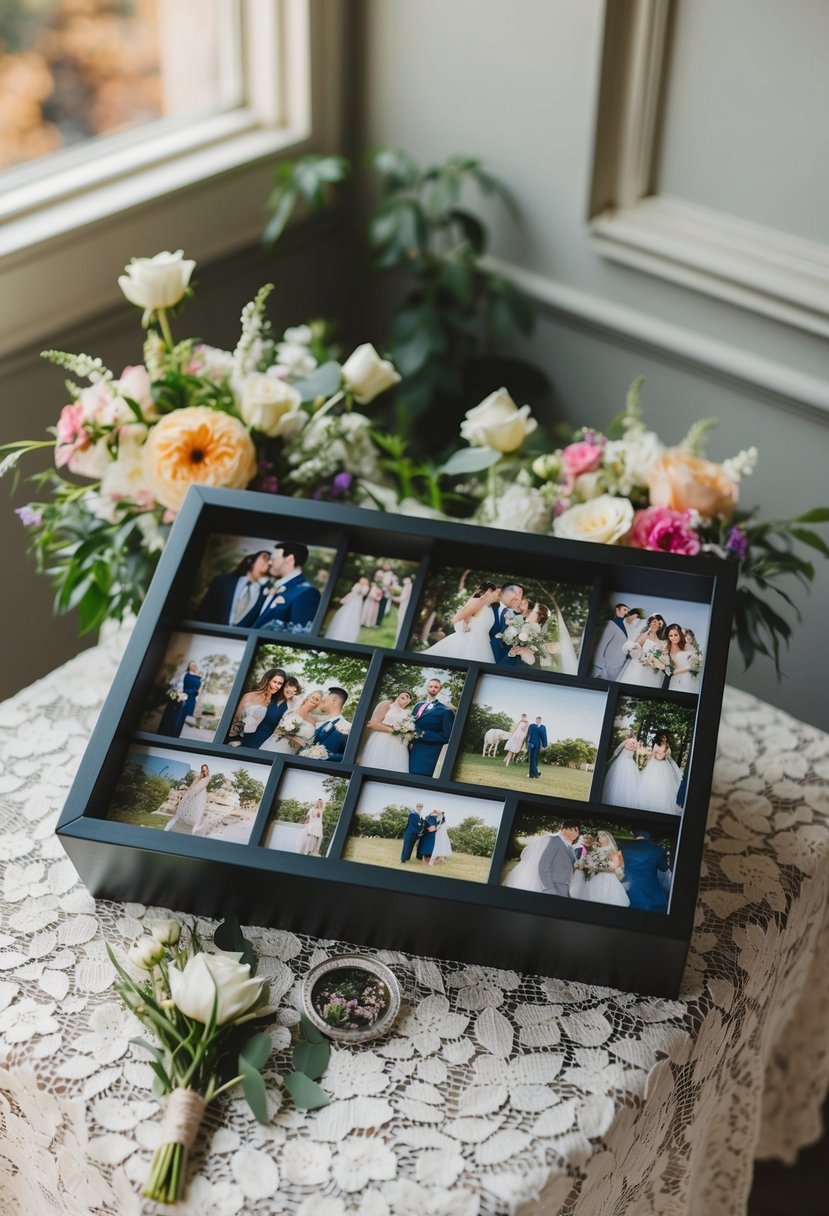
(627, 868)
(255, 584)
(485, 618)
(299, 702)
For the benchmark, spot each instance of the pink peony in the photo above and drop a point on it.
(581, 457)
(665, 530)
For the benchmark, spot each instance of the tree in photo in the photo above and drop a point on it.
(480, 719)
(647, 717)
(314, 669)
(294, 810)
(570, 753)
(141, 789)
(473, 836)
(250, 790)
(412, 678)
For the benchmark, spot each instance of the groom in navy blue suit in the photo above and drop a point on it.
(433, 726)
(293, 603)
(511, 596)
(536, 739)
(330, 733)
(236, 598)
(646, 870)
(413, 832)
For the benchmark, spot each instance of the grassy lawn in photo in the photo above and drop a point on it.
(554, 782)
(384, 634)
(382, 851)
(140, 819)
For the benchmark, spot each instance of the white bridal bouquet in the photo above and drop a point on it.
(194, 1003)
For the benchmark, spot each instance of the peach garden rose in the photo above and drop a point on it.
(684, 483)
(197, 446)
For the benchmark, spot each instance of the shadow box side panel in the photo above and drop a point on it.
(613, 956)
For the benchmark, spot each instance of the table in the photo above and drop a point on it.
(497, 1092)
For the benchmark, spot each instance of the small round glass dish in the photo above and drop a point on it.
(351, 998)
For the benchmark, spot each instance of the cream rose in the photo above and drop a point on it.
(200, 446)
(604, 519)
(158, 282)
(498, 423)
(689, 483)
(366, 375)
(271, 406)
(214, 977)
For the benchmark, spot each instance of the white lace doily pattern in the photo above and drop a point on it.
(496, 1093)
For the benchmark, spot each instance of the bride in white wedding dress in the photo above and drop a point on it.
(296, 728)
(386, 747)
(472, 622)
(525, 876)
(191, 806)
(347, 620)
(659, 785)
(604, 886)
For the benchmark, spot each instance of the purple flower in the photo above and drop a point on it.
(28, 517)
(737, 543)
(341, 484)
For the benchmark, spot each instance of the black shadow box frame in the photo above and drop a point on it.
(479, 922)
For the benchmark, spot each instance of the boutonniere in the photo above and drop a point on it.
(279, 599)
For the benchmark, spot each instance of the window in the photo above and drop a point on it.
(136, 125)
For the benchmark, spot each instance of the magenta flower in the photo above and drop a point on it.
(664, 530)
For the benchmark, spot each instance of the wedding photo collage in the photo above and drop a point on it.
(374, 676)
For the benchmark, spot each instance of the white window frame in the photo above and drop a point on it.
(68, 227)
(752, 266)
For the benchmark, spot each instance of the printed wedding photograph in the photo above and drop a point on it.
(412, 720)
(191, 686)
(370, 600)
(591, 858)
(424, 831)
(652, 641)
(261, 583)
(530, 736)
(489, 617)
(192, 794)
(649, 753)
(298, 702)
(306, 812)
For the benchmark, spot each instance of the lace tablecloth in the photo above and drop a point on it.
(497, 1092)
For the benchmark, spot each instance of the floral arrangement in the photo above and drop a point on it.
(175, 694)
(194, 1003)
(315, 751)
(596, 861)
(406, 727)
(279, 416)
(351, 1000)
(529, 637)
(656, 658)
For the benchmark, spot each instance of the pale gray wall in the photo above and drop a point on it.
(517, 84)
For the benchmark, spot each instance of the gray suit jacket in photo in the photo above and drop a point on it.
(555, 869)
(610, 656)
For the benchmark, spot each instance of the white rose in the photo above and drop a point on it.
(214, 977)
(588, 485)
(519, 509)
(269, 405)
(498, 423)
(604, 519)
(159, 282)
(366, 375)
(145, 953)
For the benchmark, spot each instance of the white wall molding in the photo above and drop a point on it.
(677, 344)
(761, 269)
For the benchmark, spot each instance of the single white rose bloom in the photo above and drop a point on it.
(498, 423)
(604, 519)
(145, 953)
(589, 485)
(167, 932)
(366, 375)
(269, 405)
(214, 977)
(518, 509)
(159, 282)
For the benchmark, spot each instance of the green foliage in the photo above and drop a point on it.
(473, 836)
(570, 751)
(315, 669)
(480, 719)
(229, 937)
(425, 227)
(412, 678)
(250, 790)
(139, 789)
(649, 716)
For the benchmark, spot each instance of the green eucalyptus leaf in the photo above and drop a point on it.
(807, 537)
(471, 460)
(307, 1095)
(230, 938)
(256, 1051)
(312, 1058)
(309, 1030)
(324, 381)
(253, 1087)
